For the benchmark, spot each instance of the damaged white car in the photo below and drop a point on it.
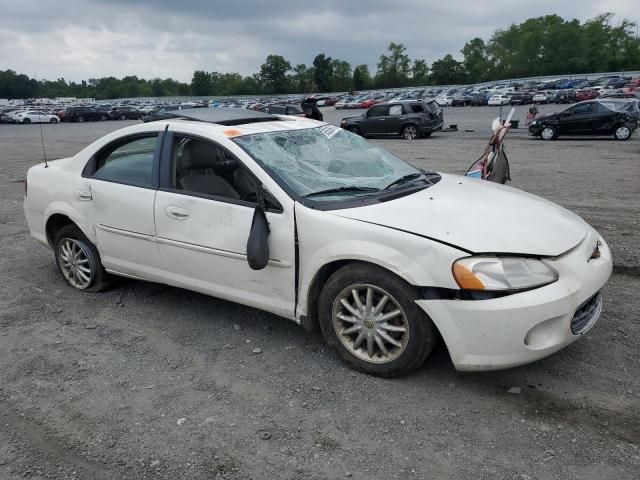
(315, 224)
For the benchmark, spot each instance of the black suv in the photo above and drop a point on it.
(617, 117)
(83, 114)
(409, 118)
(125, 113)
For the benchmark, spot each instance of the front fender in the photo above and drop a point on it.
(325, 238)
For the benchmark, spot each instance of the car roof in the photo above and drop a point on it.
(224, 116)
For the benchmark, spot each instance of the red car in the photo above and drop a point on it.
(367, 102)
(632, 87)
(586, 94)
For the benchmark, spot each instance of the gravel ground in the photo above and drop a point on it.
(149, 381)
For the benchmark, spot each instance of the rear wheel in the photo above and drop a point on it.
(53, 120)
(79, 261)
(123, 117)
(80, 119)
(410, 132)
(26, 120)
(370, 317)
(548, 133)
(622, 132)
(103, 118)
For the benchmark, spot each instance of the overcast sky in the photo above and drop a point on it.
(80, 39)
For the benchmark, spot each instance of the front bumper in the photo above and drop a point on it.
(535, 130)
(521, 328)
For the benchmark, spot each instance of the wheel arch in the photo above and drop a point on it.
(54, 223)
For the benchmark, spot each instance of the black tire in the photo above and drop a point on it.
(80, 119)
(53, 120)
(421, 333)
(103, 118)
(355, 130)
(623, 132)
(548, 133)
(409, 132)
(26, 120)
(123, 117)
(100, 280)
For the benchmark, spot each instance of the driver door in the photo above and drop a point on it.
(576, 120)
(376, 118)
(203, 215)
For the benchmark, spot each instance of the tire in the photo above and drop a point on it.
(103, 118)
(409, 132)
(87, 272)
(407, 350)
(355, 130)
(26, 120)
(622, 132)
(123, 117)
(53, 120)
(548, 133)
(80, 119)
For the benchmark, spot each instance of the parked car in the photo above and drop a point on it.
(565, 96)
(586, 94)
(595, 117)
(309, 222)
(460, 100)
(479, 99)
(83, 114)
(34, 116)
(520, 98)
(6, 118)
(410, 119)
(340, 104)
(444, 100)
(540, 97)
(500, 99)
(125, 112)
(368, 102)
(285, 110)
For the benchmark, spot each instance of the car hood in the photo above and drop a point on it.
(479, 216)
(546, 116)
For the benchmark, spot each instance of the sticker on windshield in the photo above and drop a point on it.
(329, 130)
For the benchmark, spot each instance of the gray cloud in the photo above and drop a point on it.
(79, 39)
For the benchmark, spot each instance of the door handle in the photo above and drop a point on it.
(382, 119)
(83, 195)
(176, 213)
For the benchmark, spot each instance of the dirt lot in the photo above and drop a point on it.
(149, 381)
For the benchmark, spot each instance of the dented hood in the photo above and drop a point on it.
(479, 216)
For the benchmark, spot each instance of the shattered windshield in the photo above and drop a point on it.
(325, 162)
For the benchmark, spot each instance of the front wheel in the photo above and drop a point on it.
(622, 132)
(26, 120)
(548, 133)
(53, 120)
(79, 261)
(370, 317)
(123, 117)
(80, 119)
(410, 132)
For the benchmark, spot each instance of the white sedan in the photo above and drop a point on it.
(499, 100)
(315, 224)
(444, 100)
(540, 97)
(34, 116)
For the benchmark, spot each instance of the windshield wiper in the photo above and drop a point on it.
(329, 191)
(403, 179)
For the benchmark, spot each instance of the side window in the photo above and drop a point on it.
(203, 167)
(379, 111)
(417, 108)
(395, 110)
(130, 162)
(582, 109)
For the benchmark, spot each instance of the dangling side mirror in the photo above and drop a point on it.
(258, 242)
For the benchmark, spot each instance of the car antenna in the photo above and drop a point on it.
(44, 152)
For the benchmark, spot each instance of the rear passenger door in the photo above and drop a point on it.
(396, 119)
(203, 214)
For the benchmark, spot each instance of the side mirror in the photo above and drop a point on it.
(258, 244)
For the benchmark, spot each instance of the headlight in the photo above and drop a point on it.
(502, 273)
(535, 122)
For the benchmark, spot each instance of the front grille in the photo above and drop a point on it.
(587, 315)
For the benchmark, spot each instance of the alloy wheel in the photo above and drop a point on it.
(410, 132)
(370, 323)
(75, 263)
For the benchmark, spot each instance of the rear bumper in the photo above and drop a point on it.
(521, 328)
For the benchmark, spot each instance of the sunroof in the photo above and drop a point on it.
(223, 115)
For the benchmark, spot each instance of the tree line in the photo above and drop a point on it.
(541, 46)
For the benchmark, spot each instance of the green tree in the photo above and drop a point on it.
(273, 74)
(420, 72)
(394, 68)
(341, 77)
(201, 83)
(322, 72)
(362, 78)
(476, 60)
(447, 71)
